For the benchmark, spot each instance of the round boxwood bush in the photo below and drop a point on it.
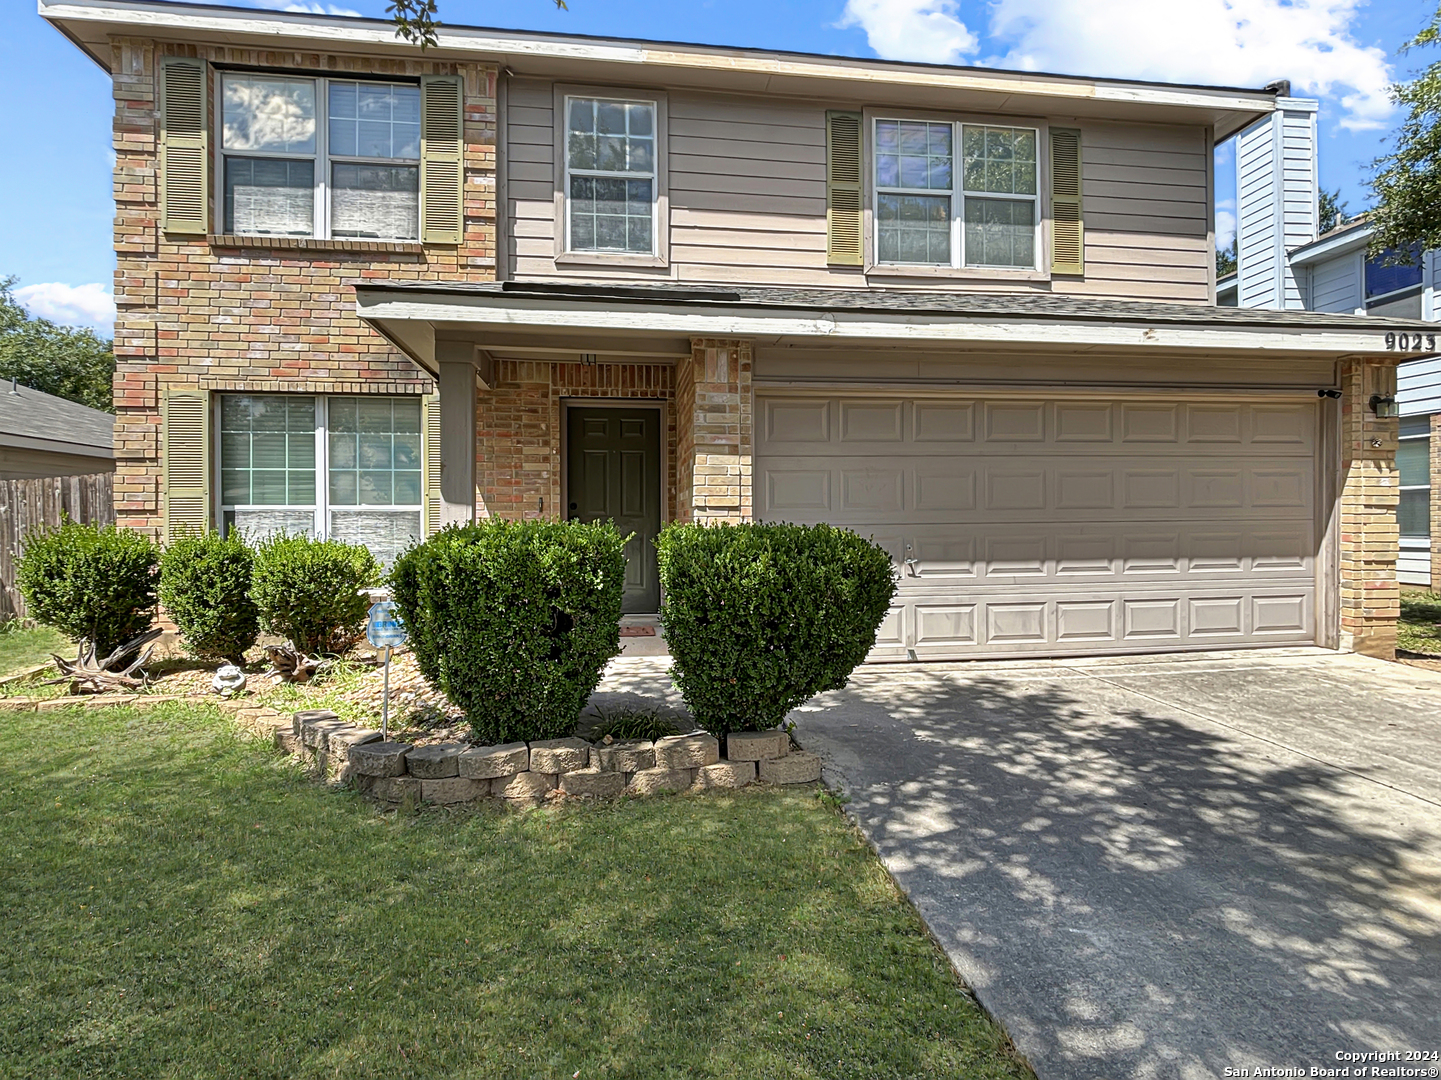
(514, 621)
(759, 618)
(308, 591)
(205, 588)
(90, 582)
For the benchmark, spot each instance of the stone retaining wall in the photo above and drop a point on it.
(526, 773)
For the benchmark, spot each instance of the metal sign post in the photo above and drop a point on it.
(384, 630)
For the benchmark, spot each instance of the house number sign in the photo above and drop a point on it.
(1405, 342)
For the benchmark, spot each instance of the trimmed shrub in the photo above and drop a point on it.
(205, 588)
(90, 582)
(759, 618)
(308, 591)
(514, 620)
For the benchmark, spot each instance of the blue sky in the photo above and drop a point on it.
(55, 226)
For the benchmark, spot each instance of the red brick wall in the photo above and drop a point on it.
(1369, 598)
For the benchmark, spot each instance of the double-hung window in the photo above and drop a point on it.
(284, 173)
(344, 467)
(933, 210)
(610, 175)
(1413, 462)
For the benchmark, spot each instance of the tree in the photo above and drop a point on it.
(1226, 259)
(1407, 181)
(415, 20)
(61, 360)
(1333, 210)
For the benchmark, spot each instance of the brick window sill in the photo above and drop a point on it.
(306, 243)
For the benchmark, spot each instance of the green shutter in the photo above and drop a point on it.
(843, 188)
(184, 146)
(442, 160)
(430, 414)
(1068, 230)
(187, 463)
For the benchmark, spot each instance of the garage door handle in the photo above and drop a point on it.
(911, 565)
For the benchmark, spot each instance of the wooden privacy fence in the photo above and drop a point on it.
(27, 505)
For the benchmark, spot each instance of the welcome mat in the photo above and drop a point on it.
(637, 631)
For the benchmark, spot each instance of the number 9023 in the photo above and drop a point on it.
(1411, 342)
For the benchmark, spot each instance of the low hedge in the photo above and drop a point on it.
(90, 582)
(759, 618)
(514, 620)
(308, 591)
(205, 588)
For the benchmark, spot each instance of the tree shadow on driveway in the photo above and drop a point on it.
(1138, 893)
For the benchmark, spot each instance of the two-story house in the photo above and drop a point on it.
(366, 290)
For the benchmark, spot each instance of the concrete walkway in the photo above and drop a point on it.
(1160, 866)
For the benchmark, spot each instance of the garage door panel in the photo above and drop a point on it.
(1069, 524)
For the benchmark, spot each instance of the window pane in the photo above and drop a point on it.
(268, 114)
(385, 532)
(1415, 425)
(258, 524)
(1000, 232)
(375, 201)
(1413, 459)
(378, 464)
(914, 229)
(270, 196)
(1414, 514)
(610, 214)
(267, 450)
(344, 453)
(913, 154)
(1405, 274)
(375, 120)
(999, 159)
(407, 486)
(611, 136)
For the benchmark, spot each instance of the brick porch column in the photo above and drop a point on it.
(714, 437)
(1369, 598)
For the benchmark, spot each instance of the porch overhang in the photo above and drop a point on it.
(425, 320)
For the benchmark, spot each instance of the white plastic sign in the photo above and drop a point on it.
(384, 628)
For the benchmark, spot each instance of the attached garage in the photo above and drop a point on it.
(1065, 522)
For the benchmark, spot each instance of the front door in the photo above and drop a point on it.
(613, 474)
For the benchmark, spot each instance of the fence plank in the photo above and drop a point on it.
(28, 505)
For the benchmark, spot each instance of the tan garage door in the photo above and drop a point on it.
(1061, 525)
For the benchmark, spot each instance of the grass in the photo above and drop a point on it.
(179, 902)
(22, 647)
(1420, 627)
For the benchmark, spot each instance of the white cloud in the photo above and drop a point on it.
(308, 7)
(71, 305)
(1225, 42)
(923, 30)
(1225, 223)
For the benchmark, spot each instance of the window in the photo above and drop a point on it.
(285, 174)
(928, 212)
(1382, 280)
(610, 175)
(1413, 462)
(344, 467)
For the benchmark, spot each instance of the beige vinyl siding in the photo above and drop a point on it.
(748, 201)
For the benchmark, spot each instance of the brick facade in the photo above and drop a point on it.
(1369, 598)
(715, 407)
(259, 314)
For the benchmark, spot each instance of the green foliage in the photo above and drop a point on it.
(415, 20)
(1419, 628)
(1226, 259)
(759, 618)
(1332, 210)
(633, 724)
(205, 587)
(514, 620)
(1407, 181)
(90, 582)
(77, 365)
(308, 591)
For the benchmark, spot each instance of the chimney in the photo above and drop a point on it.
(1277, 193)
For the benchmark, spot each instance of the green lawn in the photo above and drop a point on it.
(1420, 627)
(180, 902)
(20, 649)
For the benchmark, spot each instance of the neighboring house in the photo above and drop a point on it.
(42, 435)
(366, 291)
(1331, 272)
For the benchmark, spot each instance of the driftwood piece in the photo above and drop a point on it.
(289, 664)
(87, 675)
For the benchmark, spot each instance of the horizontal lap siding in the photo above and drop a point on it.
(530, 179)
(1418, 387)
(1336, 284)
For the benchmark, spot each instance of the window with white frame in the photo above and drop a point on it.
(283, 173)
(1413, 462)
(343, 467)
(928, 212)
(610, 175)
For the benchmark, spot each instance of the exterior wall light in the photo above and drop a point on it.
(1385, 407)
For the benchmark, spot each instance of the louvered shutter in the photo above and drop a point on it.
(187, 471)
(1068, 232)
(431, 414)
(442, 160)
(843, 188)
(184, 146)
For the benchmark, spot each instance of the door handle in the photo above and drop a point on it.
(911, 565)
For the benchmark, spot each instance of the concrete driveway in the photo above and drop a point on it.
(1164, 867)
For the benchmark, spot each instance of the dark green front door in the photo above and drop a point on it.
(613, 474)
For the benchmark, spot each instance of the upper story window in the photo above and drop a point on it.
(283, 173)
(610, 175)
(986, 213)
(1383, 279)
